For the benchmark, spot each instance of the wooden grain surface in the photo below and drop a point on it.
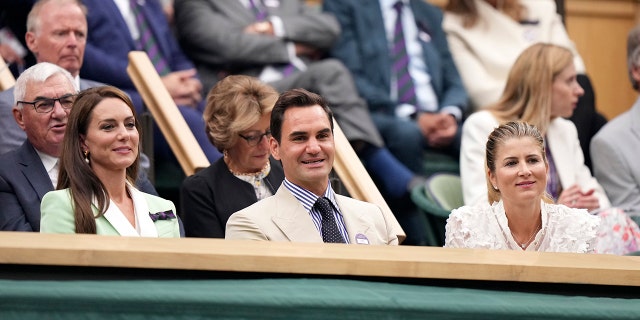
(317, 259)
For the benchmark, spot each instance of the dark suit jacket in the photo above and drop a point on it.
(23, 183)
(364, 50)
(212, 195)
(109, 42)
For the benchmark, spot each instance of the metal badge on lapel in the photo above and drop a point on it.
(361, 239)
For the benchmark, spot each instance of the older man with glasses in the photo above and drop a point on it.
(44, 95)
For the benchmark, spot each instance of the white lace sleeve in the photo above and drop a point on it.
(462, 227)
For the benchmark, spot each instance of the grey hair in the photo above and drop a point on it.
(33, 19)
(39, 73)
(633, 53)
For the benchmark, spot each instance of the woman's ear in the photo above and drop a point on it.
(492, 179)
(83, 145)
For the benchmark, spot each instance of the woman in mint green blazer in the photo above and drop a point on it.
(98, 164)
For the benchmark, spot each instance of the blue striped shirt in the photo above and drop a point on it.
(308, 199)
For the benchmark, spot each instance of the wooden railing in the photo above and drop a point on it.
(329, 260)
(165, 113)
(6, 77)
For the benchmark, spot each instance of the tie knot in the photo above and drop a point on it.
(398, 6)
(324, 206)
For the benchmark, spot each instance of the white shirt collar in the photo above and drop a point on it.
(49, 162)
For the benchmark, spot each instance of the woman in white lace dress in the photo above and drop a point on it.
(521, 216)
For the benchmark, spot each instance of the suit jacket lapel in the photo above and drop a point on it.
(429, 51)
(120, 223)
(121, 24)
(372, 17)
(292, 219)
(560, 154)
(354, 219)
(147, 227)
(33, 169)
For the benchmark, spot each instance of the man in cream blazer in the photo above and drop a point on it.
(302, 138)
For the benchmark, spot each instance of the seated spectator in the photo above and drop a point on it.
(118, 27)
(414, 91)
(486, 37)
(282, 43)
(98, 164)
(43, 93)
(519, 216)
(541, 90)
(47, 44)
(616, 148)
(305, 207)
(237, 117)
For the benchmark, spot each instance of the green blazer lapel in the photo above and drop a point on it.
(292, 219)
(168, 228)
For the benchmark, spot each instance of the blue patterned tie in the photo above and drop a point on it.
(404, 83)
(147, 41)
(330, 232)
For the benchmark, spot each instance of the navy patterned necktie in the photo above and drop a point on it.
(330, 232)
(147, 41)
(406, 90)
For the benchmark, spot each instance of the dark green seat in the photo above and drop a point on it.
(441, 193)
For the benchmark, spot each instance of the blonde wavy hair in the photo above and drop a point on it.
(234, 104)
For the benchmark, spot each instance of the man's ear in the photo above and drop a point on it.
(17, 115)
(275, 148)
(32, 43)
(635, 73)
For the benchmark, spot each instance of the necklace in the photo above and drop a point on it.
(524, 245)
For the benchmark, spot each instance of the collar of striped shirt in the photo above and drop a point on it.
(308, 199)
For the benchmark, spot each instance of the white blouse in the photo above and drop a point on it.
(485, 226)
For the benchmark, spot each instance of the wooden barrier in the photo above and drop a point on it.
(6, 77)
(219, 255)
(166, 113)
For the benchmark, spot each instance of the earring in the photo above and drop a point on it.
(495, 188)
(86, 156)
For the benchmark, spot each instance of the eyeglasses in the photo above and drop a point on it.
(46, 105)
(254, 139)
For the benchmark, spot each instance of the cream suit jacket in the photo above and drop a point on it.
(562, 138)
(282, 217)
(57, 216)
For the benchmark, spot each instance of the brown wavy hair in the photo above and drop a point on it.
(75, 173)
